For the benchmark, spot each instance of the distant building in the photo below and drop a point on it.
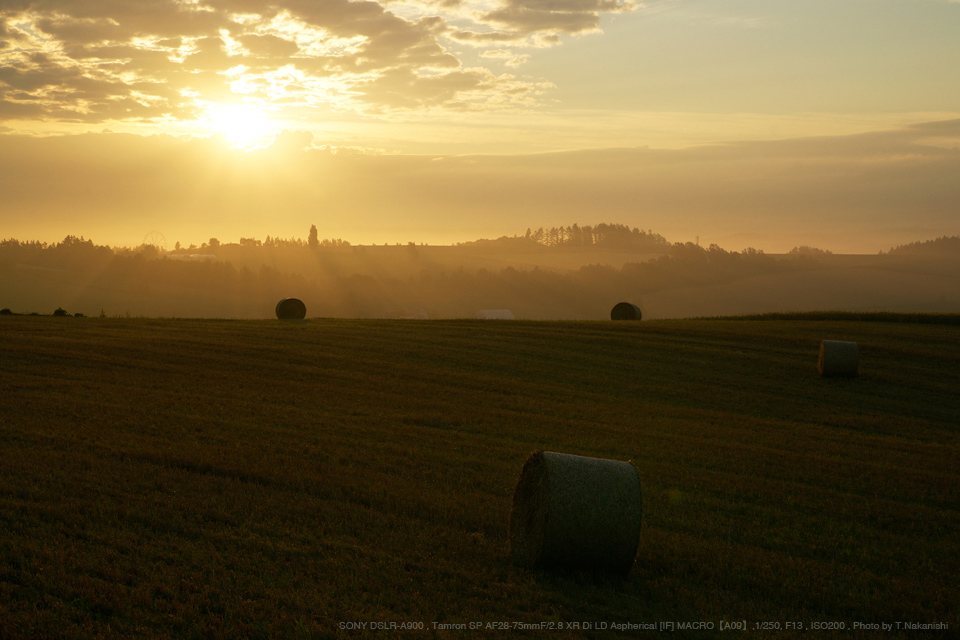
(494, 314)
(191, 257)
(421, 315)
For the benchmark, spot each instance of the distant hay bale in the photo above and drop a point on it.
(291, 309)
(625, 311)
(574, 512)
(838, 358)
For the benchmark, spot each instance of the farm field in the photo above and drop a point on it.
(266, 479)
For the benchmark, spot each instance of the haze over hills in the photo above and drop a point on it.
(569, 272)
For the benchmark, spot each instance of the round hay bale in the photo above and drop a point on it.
(838, 358)
(291, 309)
(625, 311)
(573, 512)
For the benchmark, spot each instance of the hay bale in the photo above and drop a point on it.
(291, 309)
(838, 358)
(625, 311)
(574, 512)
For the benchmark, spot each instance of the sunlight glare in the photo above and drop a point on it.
(244, 127)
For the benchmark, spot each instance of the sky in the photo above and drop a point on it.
(765, 124)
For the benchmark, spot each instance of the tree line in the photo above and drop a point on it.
(354, 282)
(944, 245)
(613, 236)
(603, 235)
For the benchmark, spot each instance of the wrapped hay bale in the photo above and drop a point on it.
(574, 512)
(625, 311)
(291, 309)
(838, 358)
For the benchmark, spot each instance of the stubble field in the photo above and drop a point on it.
(208, 478)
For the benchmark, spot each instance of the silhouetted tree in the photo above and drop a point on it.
(312, 239)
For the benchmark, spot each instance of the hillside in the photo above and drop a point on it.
(565, 280)
(175, 478)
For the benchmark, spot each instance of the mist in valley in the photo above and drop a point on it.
(562, 273)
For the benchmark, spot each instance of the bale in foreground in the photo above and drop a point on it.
(838, 359)
(577, 513)
(625, 311)
(291, 309)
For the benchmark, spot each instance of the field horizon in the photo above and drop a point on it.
(223, 478)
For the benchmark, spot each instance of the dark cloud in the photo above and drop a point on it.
(209, 55)
(539, 22)
(38, 85)
(405, 89)
(124, 19)
(490, 37)
(9, 37)
(269, 46)
(941, 128)
(565, 16)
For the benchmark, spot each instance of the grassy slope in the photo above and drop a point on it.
(225, 478)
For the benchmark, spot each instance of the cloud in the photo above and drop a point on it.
(509, 58)
(539, 23)
(564, 16)
(37, 84)
(269, 46)
(163, 60)
(463, 90)
(490, 37)
(287, 141)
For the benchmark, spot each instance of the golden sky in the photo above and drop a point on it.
(743, 122)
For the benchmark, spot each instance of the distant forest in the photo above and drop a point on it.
(943, 246)
(336, 279)
(609, 236)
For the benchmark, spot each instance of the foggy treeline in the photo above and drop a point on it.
(943, 246)
(560, 273)
(614, 236)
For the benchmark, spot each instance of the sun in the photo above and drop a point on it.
(245, 127)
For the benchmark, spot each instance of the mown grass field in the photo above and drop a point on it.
(180, 478)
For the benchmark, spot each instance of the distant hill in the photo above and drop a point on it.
(564, 273)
